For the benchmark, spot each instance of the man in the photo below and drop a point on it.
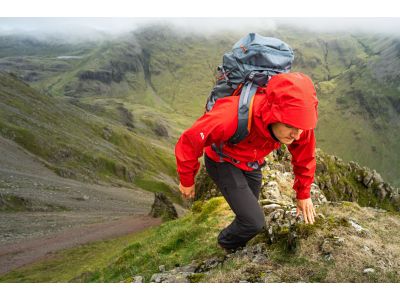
(283, 112)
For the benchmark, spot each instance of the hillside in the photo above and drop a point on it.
(159, 73)
(348, 242)
(77, 144)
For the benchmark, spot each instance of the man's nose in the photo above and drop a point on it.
(296, 133)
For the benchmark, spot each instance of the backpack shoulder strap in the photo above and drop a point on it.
(246, 105)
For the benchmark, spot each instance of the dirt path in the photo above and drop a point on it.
(57, 213)
(15, 255)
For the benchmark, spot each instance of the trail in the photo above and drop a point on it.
(18, 254)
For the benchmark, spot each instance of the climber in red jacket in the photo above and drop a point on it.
(283, 112)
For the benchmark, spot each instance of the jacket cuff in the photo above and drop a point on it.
(301, 195)
(186, 180)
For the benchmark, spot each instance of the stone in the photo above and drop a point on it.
(367, 181)
(338, 241)
(188, 268)
(326, 247)
(161, 268)
(271, 207)
(259, 259)
(381, 192)
(356, 226)
(137, 279)
(377, 177)
(271, 190)
(328, 257)
(157, 277)
(163, 207)
(366, 248)
(369, 271)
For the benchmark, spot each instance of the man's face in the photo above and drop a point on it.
(286, 134)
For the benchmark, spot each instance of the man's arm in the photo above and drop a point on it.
(213, 127)
(304, 165)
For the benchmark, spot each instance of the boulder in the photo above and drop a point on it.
(163, 207)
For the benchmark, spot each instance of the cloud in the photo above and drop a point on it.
(97, 27)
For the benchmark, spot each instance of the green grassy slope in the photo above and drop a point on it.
(78, 144)
(193, 238)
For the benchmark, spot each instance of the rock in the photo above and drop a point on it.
(367, 181)
(271, 190)
(157, 277)
(258, 249)
(338, 241)
(381, 192)
(326, 247)
(377, 177)
(161, 268)
(163, 207)
(107, 133)
(356, 226)
(137, 279)
(181, 277)
(369, 271)
(268, 201)
(259, 259)
(328, 257)
(271, 207)
(160, 130)
(189, 268)
(366, 248)
(210, 264)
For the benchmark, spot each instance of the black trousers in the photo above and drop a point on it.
(241, 190)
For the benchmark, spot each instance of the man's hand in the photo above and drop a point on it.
(306, 207)
(187, 192)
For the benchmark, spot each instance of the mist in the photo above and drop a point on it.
(96, 27)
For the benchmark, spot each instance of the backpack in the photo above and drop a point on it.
(250, 64)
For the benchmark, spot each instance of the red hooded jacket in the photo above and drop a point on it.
(289, 98)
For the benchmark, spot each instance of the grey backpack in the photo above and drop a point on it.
(250, 64)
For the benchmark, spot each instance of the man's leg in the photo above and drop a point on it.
(241, 190)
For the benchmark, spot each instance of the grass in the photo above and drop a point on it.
(73, 142)
(193, 237)
(175, 242)
(66, 265)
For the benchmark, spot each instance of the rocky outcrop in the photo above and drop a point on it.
(197, 270)
(334, 180)
(350, 182)
(163, 207)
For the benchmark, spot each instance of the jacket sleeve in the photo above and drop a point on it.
(304, 163)
(214, 126)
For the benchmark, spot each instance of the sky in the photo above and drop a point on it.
(120, 25)
(80, 17)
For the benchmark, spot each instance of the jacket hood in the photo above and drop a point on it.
(291, 99)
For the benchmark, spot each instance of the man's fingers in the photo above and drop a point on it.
(312, 214)
(305, 215)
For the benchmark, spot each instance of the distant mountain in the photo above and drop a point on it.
(170, 74)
